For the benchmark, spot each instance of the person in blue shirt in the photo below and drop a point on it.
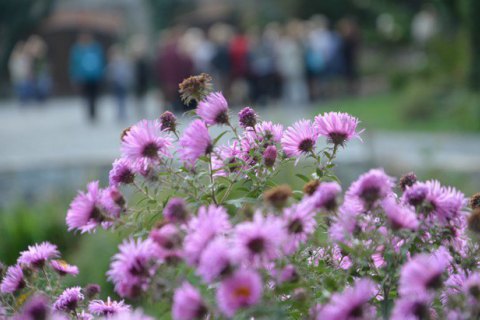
(87, 67)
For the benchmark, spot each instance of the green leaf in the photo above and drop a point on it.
(304, 178)
(219, 137)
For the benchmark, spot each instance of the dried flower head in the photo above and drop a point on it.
(310, 187)
(125, 132)
(474, 221)
(407, 180)
(195, 88)
(278, 196)
(475, 201)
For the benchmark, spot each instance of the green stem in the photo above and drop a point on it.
(211, 179)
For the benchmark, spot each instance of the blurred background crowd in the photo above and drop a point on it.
(75, 73)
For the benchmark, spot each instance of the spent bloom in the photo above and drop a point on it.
(107, 308)
(247, 118)
(352, 303)
(13, 280)
(213, 109)
(371, 187)
(145, 144)
(69, 300)
(132, 267)
(195, 88)
(195, 142)
(241, 290)
(63, 268)
(338, 127)
(299, 139)
(188, 303)
(38, 254)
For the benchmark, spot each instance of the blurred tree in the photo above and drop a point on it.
(472, 11)
(164, 12)
(18, 18)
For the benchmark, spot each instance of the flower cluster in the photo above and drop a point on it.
(212, 235)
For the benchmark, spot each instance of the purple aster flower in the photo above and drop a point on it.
(68, 301)
(352, 303)
(132, 267)
(299, 221)
(145, 145)
(267, 131)
(13, 280)
(399, 216)
(287, 274)
(413, 307)
(422, 273)
(346, 223)
(325, 197)
(247, 117)
(445, 203)
(299, 139)
(213, 109)
(86, 210)
(188, 303)
(471, 287)
(113, 203)
(195, 142)
(122, 172)
(338, 127)
(371, 187)
(169, 242)
(36, 308)
(63, 268)
(242, 290)
(227, 159)
(108, 308)
(168, 121)
(209, 222)
(259, 240)
(130, 315)
(216, 260)
(84, 316)
(175, 210)
(38, 254)
(269, 156)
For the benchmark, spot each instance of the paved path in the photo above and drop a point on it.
(58, 135)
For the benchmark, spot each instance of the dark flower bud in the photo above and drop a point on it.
(247, 117)
(269, 156)
(278, 196)
(407, 180)
(168, 121)
(92, 290)
(36, 309)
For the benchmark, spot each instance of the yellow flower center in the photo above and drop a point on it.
(242, 292)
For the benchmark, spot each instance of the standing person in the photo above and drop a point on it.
(292, 65)
(173, 65)
(120, 74)
(141, 65)
(87, 64)
(20, 68)
(220, 34)
(41, 79)
(349, 50)
(238, 51)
